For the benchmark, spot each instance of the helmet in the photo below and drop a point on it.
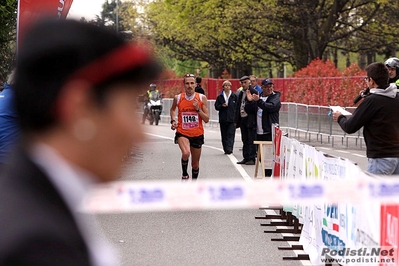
(392, 62)
(152, 85)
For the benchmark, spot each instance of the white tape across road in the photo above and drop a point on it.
(132, 196)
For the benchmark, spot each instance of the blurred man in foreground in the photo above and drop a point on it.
(74, 88)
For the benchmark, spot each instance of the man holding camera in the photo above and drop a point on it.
(376, 114)
(246, 120)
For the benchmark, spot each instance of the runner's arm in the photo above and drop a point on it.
(172, 113)
(204, 112)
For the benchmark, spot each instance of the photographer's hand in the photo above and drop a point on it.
(336, 115)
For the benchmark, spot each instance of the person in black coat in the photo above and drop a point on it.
(269, 105)
(245, 119)
(74, 88)
(198, 88)
(226, 105)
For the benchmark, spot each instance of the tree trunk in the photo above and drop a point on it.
(362, 60)
(336, 58)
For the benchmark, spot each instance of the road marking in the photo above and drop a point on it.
(342, 151)
(232, 158)
(359, 155)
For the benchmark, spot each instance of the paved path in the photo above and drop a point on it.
(225, 237)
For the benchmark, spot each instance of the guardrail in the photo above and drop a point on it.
(301, 121)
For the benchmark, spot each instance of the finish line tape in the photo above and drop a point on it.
(138, 196)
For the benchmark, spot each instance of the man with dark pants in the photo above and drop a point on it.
(192, 110)
(246, 121)
(377, 115)
(269, 105)
(226, 105)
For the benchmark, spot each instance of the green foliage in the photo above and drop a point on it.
(237, 34)
(8, 26)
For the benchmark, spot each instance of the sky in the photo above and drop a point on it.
(85, 8)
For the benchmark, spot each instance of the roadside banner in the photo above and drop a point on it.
(277, 142)
(29, 11)
(389, 230)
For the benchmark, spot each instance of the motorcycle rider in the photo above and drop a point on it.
(152, 94)
(393, 69)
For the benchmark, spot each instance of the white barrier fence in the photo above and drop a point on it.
(312, 121)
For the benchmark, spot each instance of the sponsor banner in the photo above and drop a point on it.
(29, 11)
(285, 153)
(337, 225)
(277, 151)
(268, 155)
(389, 232)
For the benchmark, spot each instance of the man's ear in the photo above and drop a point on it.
(73, 101)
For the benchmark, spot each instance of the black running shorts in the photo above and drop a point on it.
(195, 142)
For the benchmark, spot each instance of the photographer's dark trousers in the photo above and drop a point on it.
(248, 135)
(228, 133)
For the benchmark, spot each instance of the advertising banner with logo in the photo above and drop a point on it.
(29, 11)
(331, 229)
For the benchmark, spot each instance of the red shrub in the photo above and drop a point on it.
(321, 83)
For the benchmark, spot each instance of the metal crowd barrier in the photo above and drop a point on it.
(303, 122)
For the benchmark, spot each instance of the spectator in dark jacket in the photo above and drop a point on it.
(198, 88)
(9, 128)
(268, 112)
(226, 105)
(246, 121)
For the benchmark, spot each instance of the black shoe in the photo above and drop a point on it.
(242, 162)
(250, 162)
(228, 152)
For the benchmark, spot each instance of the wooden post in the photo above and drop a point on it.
(260, 157)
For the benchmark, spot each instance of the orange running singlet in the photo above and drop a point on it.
(190, 122)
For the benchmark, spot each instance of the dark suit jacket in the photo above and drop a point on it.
(226, 114)
(37, 228)
(251, 109)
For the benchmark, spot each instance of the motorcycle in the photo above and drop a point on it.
(155, 110)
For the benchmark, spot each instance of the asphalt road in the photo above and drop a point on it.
(224, 237)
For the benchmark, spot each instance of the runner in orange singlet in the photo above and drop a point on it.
(192, 110)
